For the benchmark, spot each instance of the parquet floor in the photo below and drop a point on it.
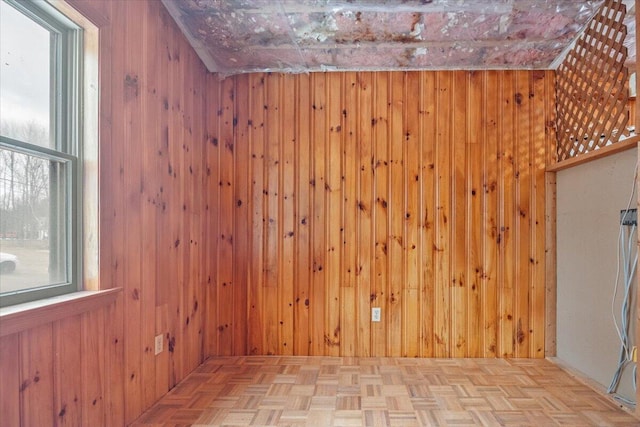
(321, 391)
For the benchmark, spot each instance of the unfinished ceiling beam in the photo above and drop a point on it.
(240, 36)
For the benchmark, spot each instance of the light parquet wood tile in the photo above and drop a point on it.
(318, 391)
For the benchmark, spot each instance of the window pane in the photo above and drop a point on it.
(32, 221)
(25, 52)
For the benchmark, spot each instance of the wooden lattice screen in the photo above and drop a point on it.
(591, 86)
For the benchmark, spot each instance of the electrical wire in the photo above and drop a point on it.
(625, 247)
(625, 355)
(615, 289)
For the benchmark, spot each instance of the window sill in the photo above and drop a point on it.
(20, 317)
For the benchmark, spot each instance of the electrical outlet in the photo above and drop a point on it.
(159, 342)
(629, 217)
(376, 314)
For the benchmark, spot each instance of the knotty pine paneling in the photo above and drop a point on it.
(154, 163)
(155, 222)
(55, 374)
(421, 193)
(157, 164)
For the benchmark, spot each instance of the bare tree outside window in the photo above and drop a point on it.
(24, 186)
(25, 211)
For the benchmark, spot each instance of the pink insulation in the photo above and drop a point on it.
(237, 36)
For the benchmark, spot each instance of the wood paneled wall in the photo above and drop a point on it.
(155, 217)
(267, 214)
(100, 368)
(59, 373)
(422, 193)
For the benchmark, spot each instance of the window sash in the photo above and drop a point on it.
(65, 98)
(63, 224)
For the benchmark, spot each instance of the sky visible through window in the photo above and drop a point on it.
(24, 74)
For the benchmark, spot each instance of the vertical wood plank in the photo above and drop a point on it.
(550, 343)
(68, 396)
(112, 203)
(380, 125)
(442, 301)
(274, 226)
(476, 330)
(150, 167)
(507, 209)
(160, 184)
(132, 113)
(349, 308)
(114, 365)
(10, 392)
(550, 219)
(428, 209)
(365, 204)
(174, 271)
(396, 215)
(459, 281)
(212, 151)
(411, 167)
(255, 320)
(189, 350)
(491, 235)
(317, 189)
(36, 373)
(176, 244)
(225, 219)
(538, 118)
(287, 213)
(523, 213)
(334, 226)
(302, 338)
(200, 218)
(183, 214)
(241, 229)
(92, 367)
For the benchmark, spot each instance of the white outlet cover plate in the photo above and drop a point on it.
(159, 342)
(376, 314)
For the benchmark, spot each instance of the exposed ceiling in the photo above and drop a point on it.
(239, 36)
